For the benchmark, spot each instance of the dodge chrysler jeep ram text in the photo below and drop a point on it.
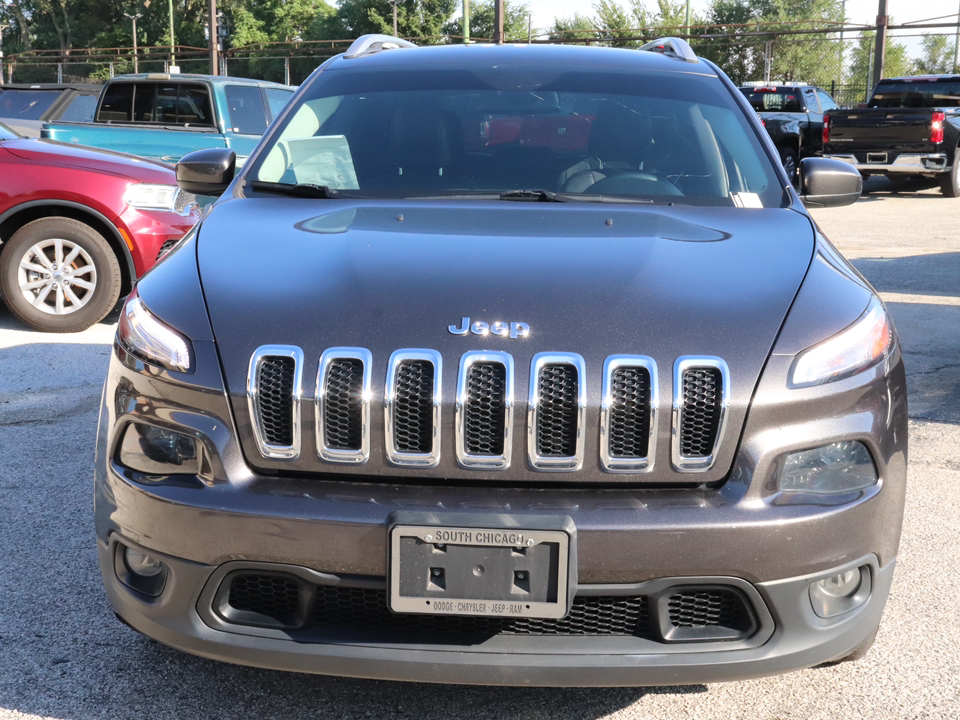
(508, 365)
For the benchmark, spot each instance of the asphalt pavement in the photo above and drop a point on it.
(64, 655)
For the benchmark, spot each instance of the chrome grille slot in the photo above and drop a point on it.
(343, 405)
(484, 410)
(412, 408)
(628, 414)
(701, 391)
(274, 381)
(556, 412)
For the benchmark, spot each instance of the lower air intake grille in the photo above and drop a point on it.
(413, 407)
(165, 248)
(275, 392)
(485, 409)
(700, 416)
(343, 405)
(557, 423)
(630, 412)
(687, 614)
(275, 596)
(367, 608)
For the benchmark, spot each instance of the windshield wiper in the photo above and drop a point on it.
(534, 195)
(307, 190)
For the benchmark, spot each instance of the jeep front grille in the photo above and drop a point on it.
(343, 405)
(628, 414)
(700, 401)
(412, 408)
(485, 410)
(273, 398)
(558, 401)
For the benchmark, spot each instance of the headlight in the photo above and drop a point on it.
(861, 345)
(152, 197)
(151, 340)
(840, 467)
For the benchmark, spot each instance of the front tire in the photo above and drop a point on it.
(788, 158)
(59, 275)
(950, 182)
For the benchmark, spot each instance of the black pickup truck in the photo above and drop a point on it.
(793, 117)
(911, 126)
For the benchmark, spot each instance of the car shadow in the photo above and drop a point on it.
(877, 188)
(922, 293)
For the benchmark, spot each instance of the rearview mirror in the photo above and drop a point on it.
(207, 172)
(825, 182)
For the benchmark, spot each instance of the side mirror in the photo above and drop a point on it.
(207, 172)
(826, 182)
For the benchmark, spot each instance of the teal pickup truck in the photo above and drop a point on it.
(163, 117)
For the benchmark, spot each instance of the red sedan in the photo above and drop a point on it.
(79, 226)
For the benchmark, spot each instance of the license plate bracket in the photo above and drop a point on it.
(489, 571)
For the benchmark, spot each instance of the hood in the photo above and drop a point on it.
(65, 155)
(588, 279)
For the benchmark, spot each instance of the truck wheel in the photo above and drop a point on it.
(788, 157)
(950, 182)
(59, 275)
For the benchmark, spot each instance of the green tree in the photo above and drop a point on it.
(415, 18)
(482, 20)
(861, 72)
(578, 27)
(937, 55)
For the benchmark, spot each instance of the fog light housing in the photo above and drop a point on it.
(142, 564)
(840, 467)
(140, 570)
(157, 451)
(841, 592)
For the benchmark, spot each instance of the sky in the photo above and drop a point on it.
(859, 11)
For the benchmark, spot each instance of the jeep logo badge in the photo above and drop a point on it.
(514, 329)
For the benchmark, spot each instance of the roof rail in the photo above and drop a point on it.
(673, 47)
(367, 44)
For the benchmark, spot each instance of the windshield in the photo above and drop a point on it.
(917, 93)
(6, 133)
(26, 104)
(584, 134)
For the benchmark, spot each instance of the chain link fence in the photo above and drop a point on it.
(839, 60)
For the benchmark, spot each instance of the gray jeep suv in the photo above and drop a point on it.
(517, 365)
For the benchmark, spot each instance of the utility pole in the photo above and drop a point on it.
(687, 20)
(134, 18)
(173, 58)
(394, 3)
(214, 36)
(466, 21)
(498, 22)
(881, 52)
(2, 28)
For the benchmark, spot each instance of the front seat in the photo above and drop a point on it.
(618, 137)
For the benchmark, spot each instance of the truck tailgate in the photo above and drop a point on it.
(880, 129)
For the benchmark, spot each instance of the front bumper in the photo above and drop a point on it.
(333, 529)
(791, 637)
(908, 163)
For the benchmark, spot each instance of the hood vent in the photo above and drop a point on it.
(485, 410)
(273, 397)
(628, 414)
(412, 408)
(555, 414)
(343, 405)
(701, 395)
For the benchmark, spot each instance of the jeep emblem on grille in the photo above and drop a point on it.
(514, 329)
